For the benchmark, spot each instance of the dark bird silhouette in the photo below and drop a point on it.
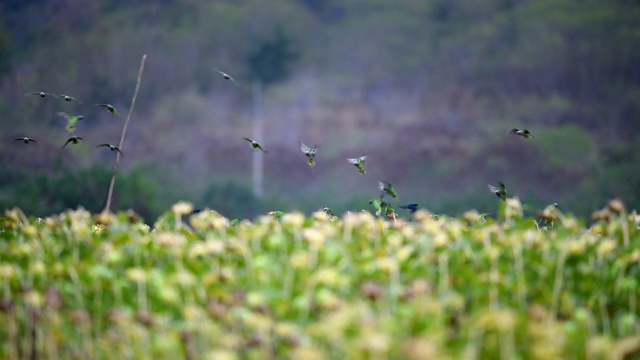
(68, 98)
(110, 108)
(255, 145)
(26, 140)
(40, 93)
(72, 140)
(111, 147)
(226, 76)
(411, 207)
(524, 133)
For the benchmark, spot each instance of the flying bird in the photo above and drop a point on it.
(377, 204)
(72, 120)
(111, 147)
(328, 211)
(73, 140)
(309, 153)
(276, 213)
(26, 140)
(68, 98)
(255, 145)
(521, 132)
(359, 163)
(411, 207)
(500, 192)
(225, 75)
(110, 108)
(390, 213)
(41, 94)
(550, 213)
(387, 189)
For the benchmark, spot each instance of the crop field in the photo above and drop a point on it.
(288, 286)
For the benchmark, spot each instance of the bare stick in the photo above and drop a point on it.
(124, 132)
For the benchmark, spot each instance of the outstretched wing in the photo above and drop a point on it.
(304, 148)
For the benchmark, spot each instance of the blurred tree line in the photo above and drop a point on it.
(428, 89)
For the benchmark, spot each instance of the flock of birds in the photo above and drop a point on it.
(72, 120)
(386, 188)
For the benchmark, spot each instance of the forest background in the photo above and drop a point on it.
(428, 90)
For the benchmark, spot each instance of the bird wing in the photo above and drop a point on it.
(304, 148)
(249, 140)
(493, 189)
(103, 145)
(353, 161)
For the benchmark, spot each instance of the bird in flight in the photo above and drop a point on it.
(387, 189)
(111, 147)
(522, 132)
(26, 140)
(72, 140)
(110, 108)
(390, 213)
(377, 204)
(359, 163)
(41, 94)
(225, 75)
(500, 191)
(411, 207)
(68, 98)
(550, 213)
(72, 120)
(255, 145)
(309, 153)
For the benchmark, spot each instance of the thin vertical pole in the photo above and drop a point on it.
(122, 135)
(258, 130)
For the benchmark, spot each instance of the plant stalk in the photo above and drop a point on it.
(122, 135)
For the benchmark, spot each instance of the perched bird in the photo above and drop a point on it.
(387, 189)
(110, 108)
(26, 140)
(73, 140)
(69, 98)
(111, 147)
(359, 163)
(255, 145)
(524, 133)
(500, 192)
(411, 207)
(40, 93)
(309, 152)
(550, 213)
(72, 120)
